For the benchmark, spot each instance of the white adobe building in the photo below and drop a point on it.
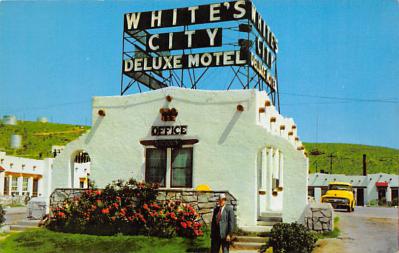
(31, 177)
(232, 141)
(24, 177)
(380, 187)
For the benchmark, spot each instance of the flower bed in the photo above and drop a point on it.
(127, 207)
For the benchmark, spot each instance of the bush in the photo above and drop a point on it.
(129, 208)
(2, 215)
(291, 238)
(373, 202)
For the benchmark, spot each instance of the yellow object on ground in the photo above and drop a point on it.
(203, 187)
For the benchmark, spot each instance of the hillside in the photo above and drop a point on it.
(349, 158)
(39, 137)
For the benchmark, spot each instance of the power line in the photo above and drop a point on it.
(385, 100)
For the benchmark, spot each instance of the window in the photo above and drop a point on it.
(341, 187)
(311, 191)
(155, 171)
(182, 164)
(169, 167)
(14, 185)
(6, 186)
(25, 184)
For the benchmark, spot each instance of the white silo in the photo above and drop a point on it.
(9, 120)
(42, 119)
(16, 141)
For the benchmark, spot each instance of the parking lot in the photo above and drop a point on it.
(368, 229)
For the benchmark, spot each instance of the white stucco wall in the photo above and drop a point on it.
(225, 158)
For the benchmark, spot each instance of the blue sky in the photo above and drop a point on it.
(338, 62)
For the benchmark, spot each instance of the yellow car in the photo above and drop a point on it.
(340, 195)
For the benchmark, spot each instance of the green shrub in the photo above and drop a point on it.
(373, 202)
(291, 238)
(2, 215)
(129, 208)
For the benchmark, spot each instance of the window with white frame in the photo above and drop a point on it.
(169, 167)
(14, 185)
(155, 166)
(182, 167)
(25, 182)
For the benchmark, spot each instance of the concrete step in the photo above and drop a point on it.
(256, 229)
(247, 245)
(243, 250)
(270, 219)
(271, 214)
(251, 239)
(30, 223)
(267, 223)
(21, 227)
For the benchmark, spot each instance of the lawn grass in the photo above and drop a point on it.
(46, 241)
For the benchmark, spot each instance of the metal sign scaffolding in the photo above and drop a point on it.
(236, 50)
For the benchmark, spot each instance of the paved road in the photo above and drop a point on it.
(368, 229)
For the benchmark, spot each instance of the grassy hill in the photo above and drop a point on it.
(39, 137)
(349, 158)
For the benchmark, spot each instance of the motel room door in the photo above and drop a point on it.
(35, 187)
(360, 197)
(382, 199)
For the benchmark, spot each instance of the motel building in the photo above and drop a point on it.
(380, 188)
(232, 140)
(22, 177)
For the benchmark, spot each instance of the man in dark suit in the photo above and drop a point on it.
(222, 225)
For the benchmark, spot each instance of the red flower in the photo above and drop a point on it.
(183, 224)
(155, 206)
(198, 232)
(98, 192)
(145, 206)
(105, 211)
(173, 216)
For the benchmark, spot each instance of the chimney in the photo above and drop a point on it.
(364, 165)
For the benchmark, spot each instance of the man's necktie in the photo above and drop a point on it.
(219, 216)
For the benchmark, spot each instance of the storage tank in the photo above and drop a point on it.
(9, 120)
(42, 119)
(16, 141)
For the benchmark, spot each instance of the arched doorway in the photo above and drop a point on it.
(270, 181)
(80, 169)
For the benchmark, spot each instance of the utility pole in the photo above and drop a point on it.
(364, 165)
(331, 156)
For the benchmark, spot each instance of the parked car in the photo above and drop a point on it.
(340, 195)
